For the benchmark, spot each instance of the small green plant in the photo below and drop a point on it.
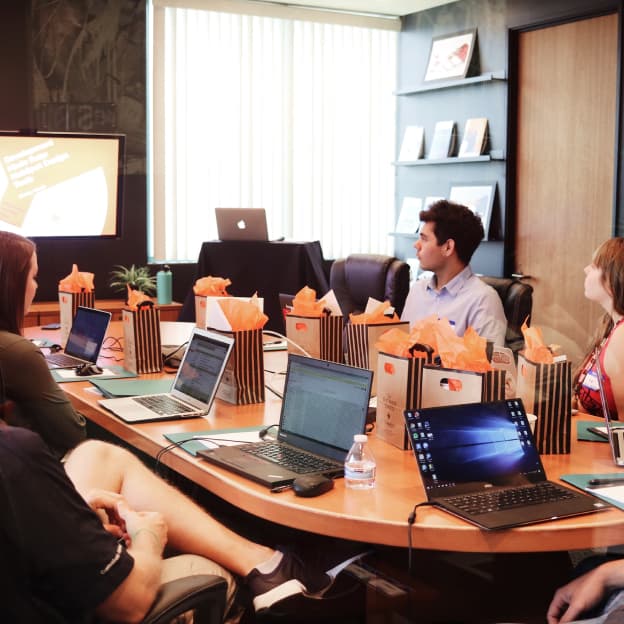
(138, 278)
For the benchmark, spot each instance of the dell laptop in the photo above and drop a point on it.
(478, 461)
(194, 387)
(324, 405)
(242, 224)
(85, 339)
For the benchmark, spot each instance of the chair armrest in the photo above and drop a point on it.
(203, 592)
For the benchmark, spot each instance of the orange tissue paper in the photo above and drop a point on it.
(136, 298)
(535, 350)
(305, 304)
(398, 342)
(77, 281)
(243, 315)
(212, 286)
(375, 316)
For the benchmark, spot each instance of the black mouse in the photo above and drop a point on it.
(88, 369)
(312, 485)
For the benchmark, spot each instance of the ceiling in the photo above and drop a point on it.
(380, 7)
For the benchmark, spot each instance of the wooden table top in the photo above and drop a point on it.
(376, 516)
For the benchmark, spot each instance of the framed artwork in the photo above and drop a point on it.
(479, 197)
(451, 55)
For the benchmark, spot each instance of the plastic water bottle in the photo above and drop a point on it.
(163, 285)
(360, 467)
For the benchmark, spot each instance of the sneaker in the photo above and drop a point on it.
(289, 578)
(292, 577)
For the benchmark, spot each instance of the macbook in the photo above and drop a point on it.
(85, 339)
(324, 406)
(478, 461)
(194, 387)
(242, 224)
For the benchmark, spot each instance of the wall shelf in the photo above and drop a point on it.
(500, 75)
(493, 155)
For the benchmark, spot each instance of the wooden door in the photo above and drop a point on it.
(565, 162)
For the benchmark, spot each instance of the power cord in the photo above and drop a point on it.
(410, 521)
(270, 332)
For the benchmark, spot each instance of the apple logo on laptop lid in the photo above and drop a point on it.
(241, 225)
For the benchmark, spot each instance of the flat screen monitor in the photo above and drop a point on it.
(61, 184)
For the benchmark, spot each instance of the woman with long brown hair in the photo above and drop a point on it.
(38, 403)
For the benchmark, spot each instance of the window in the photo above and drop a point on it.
(292, 115)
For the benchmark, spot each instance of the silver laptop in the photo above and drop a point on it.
(610, 429)
(324, 405)
(194, 388)
(85, 339)
(479, 461)
(242, 224)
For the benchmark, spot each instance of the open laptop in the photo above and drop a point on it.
(608, 430)
(242, 224)
(194, 387)
(85, 339)
(478, 461)
(324, 405)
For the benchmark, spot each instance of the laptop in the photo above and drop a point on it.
(479, 462)
(324, 406)
(608, 431)
(85, 339)
(194, 387)
(242, 224)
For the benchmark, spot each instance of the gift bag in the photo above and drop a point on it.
(68, 304)
(360, 348)
(448, 386)
(243, 378)
(141, 331)
(320, 337)
(546, 391)
(203, 304)
(399, 382)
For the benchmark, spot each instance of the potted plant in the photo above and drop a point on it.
(138, 278)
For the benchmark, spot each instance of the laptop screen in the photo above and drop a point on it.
(324, 406)
(87, 333)
(473, 446)
(202, 366)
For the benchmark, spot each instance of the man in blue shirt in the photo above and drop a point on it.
(448, 237)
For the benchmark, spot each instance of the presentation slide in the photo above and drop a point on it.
(59, 186)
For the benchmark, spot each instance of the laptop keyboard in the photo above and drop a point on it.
(165, 405)
(288, 457)
(61, 359)
(475, 504)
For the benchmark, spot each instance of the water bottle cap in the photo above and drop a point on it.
(167, 268)
(360, 437)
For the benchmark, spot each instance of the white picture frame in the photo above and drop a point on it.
(479, 197)
(450, 56)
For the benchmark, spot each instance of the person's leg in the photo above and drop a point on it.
(272, 576)
(98, 465)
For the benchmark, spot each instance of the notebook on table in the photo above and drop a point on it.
(194, 387)
(324, 406)
(479, 461)
(85, 339)
(242, 224)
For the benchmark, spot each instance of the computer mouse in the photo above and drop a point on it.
(312, 485)
(88, 369)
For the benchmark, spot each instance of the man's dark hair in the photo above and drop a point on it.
(451, 220)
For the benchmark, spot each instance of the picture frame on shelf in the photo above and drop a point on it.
(409, 220)
(479, 197)
(452, 56)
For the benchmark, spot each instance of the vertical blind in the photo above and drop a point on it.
(294, 116)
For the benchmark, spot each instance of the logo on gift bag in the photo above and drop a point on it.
(301, 327)
(389, 368)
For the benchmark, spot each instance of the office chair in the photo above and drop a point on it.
(359, 276)
(517, 298)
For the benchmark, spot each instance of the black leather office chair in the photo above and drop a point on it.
(359, 276)
(517, 298)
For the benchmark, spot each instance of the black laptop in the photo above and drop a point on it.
(85, 339)
(478, 461)
(324, 406)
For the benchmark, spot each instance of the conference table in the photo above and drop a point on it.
(378, 516)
